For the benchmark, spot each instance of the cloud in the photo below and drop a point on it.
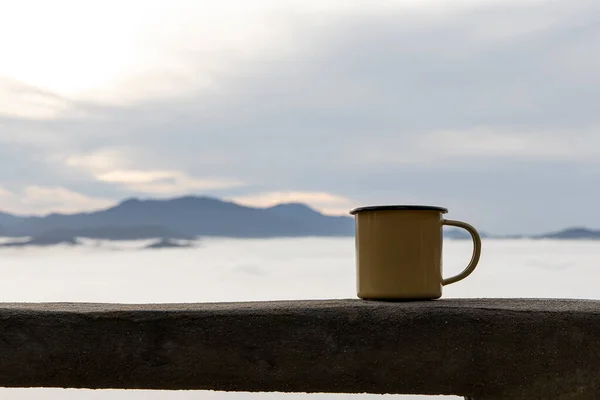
(326, 202)
(41, 200)
(482, 144)
(102, 159)
(488, 108)
(164, 182)
(18, 99)
(4, 193)
(114, 166)
(536, 146)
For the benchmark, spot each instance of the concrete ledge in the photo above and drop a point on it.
(483, 348)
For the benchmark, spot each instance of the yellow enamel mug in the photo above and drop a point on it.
(399, 251)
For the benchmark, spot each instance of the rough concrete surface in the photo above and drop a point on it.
(482, 349)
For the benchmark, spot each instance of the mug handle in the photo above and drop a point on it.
(476, 250)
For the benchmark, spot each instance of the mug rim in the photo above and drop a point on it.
(405, 207)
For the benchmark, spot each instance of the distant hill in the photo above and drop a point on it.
(48, 240)
(167, 244)
(571, 233)
(191, 216)
(461, 234)
(8, 220)
(183, 217)
(565, 234)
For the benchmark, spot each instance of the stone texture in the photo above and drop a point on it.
(484, 349)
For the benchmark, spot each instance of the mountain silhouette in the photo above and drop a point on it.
(191, 216)
(571, 233)
(167, 244)
(44, 240)
(184, 217)
(8, 220)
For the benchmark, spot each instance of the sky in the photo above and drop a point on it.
(488, 108)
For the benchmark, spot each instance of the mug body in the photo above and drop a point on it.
(399, 252)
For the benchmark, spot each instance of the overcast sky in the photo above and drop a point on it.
(490, 108)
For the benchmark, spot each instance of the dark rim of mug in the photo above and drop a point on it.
(399, 207)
